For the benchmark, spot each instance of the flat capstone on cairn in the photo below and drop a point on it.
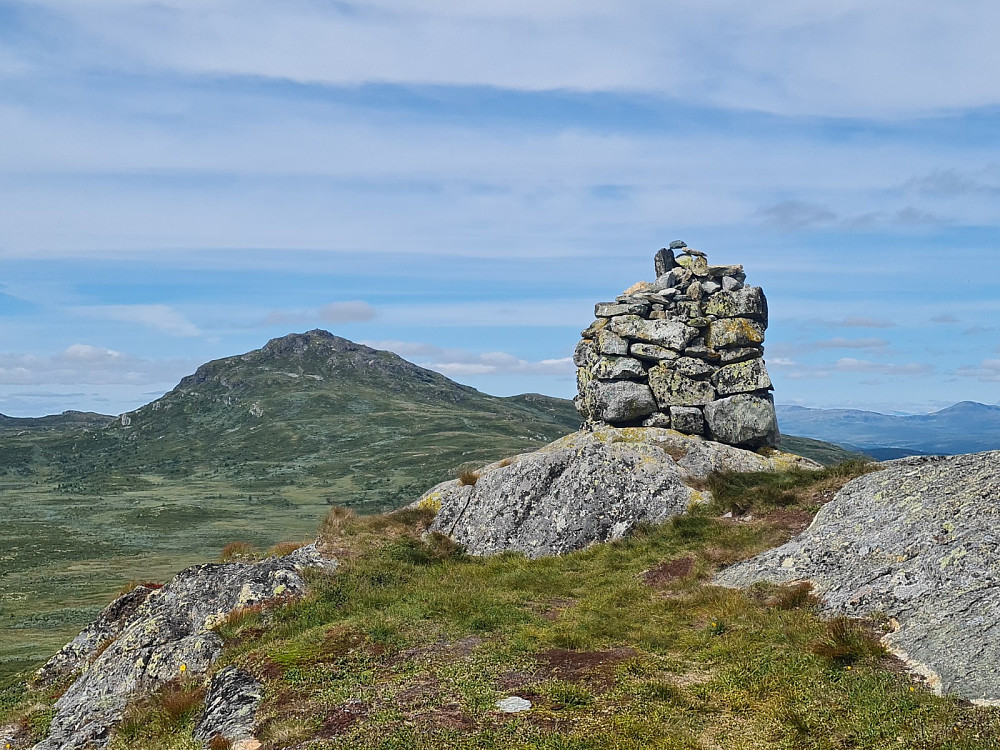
(683, 352)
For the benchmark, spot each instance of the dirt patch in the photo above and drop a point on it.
(342, 718)
(593, 668)
(449, 716)
(792, 520)
(446, 651)
(668, 571)
(551, 609)
(418, 694)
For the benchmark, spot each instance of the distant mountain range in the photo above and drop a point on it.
(966, 427)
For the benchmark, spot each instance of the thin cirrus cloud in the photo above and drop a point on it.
(838, 342)
(797, 371)
(856, 321)
(162, 318)
(455, 362)
(795, 215)
(721, 51)
(352, 311)
(84, 364)
(988, 371)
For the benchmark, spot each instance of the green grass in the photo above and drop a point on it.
(624, 645)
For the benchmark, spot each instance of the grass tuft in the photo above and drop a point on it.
(848, 641)
(794, 596)
(468, 477)
(238, 552)
(285, 548)
(761, 492)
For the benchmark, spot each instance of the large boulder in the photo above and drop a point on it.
(745, 419)
(916, 542)
(591, 486)
(144, 640)
(616, 400)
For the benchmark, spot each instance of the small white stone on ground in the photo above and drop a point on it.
(513, 705)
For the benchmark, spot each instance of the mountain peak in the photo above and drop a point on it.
(298, 343)
(968, 407)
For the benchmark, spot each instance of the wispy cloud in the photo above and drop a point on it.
(352, 311)
(795, 215)
(987, 371)
(951, 182)
(461, 362)
(158, 317)
(84, 364)
(825, 344)
(855, 321)
(799, 371)
(722, 52)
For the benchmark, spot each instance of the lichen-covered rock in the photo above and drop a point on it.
(739, 332)
(611, 309)
(687, 419)
(230, 706)
(618, 368)
(671, 387)
(667, 333)
(745, 419)
(694, 336)
(608, 342)
(585, 355)
(748, 302)
(616, 400)
(917, 542)
(590, 486)
(170, 629)
(652, 352)
(109, 624)
(742, 377)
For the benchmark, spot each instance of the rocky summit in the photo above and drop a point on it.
(592, 486)
(917, 544)
(683, 352)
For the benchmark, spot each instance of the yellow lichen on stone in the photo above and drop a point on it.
(430, 502)
(955, 555)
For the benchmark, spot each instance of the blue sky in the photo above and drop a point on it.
(460, 182)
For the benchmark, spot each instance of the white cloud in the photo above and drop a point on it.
(456, 362)
(83, 364)
(839, 57)
(850, 364)
(988, 371)
(162, 318)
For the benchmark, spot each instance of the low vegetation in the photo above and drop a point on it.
(411, 643)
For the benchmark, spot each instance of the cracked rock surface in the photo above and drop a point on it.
(145, 639)
(591, 486)
(919, 542)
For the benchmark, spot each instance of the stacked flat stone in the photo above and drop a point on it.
(683, 352)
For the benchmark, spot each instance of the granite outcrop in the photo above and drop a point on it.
(153, 635)
(591, 486)
(915, 545)
(683, 352)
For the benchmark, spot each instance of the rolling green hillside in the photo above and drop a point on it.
(255, 447)
(312, 408)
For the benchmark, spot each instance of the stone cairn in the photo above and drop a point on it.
(683, 352)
